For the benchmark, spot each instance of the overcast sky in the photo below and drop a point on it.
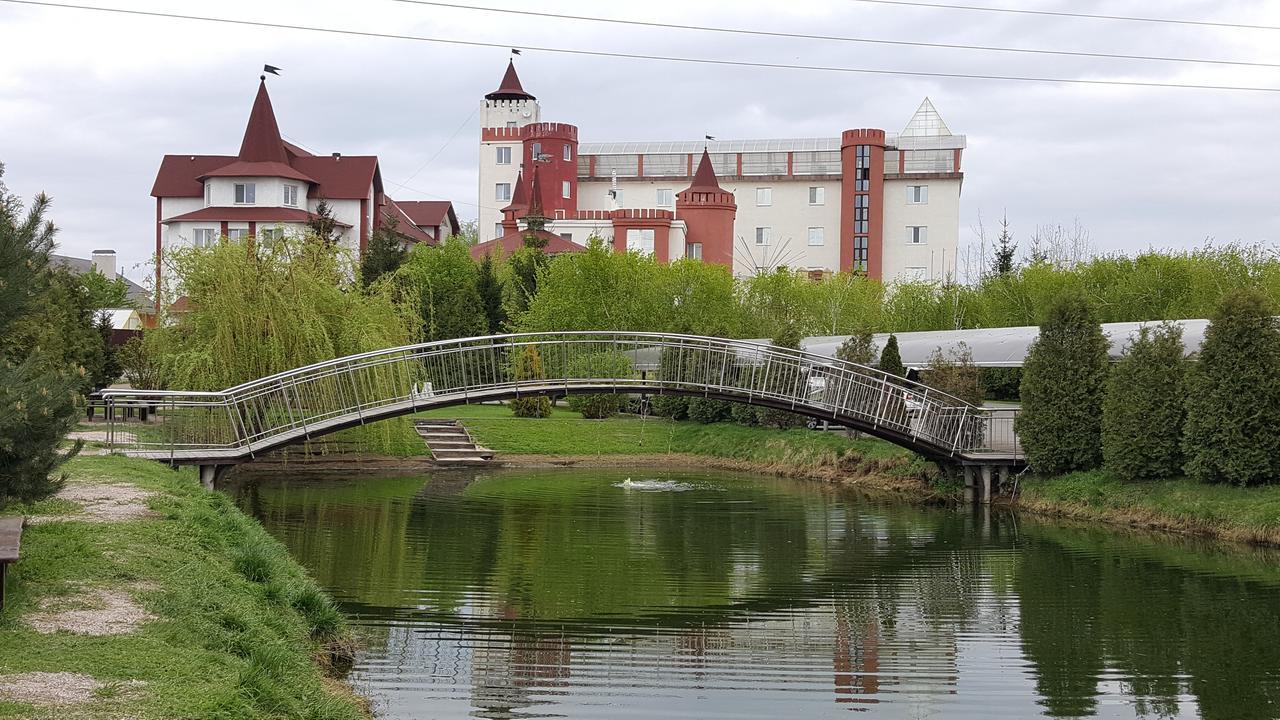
(89, 102)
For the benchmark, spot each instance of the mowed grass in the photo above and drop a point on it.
(1248, 514)
(567, 433)
(240, 631)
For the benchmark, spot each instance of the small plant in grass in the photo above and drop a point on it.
(1142, 416)
(255, 562)
(528, 366)
(1063, 382)
(1233, 395)
(598, 406)
(322, 616)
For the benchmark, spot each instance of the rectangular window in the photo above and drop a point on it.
(504, 155)
(269, 233)
(860, 226)
(762, 236)
(665, 198)
(497, 230)
(816, 236)
(861, 201)
(860, 253)
(502, 192)
(537, 150)
(917, 194)
(764, 197)
(567, 236)
(245, 193)
(568, 153)
(208, 194)
(917, 235)
(237, 234)
(693, 250)
(511, 123)
(616, 195)
(565, 189)
(640, 240)
(291, 195)
(666, 165)
(817, 196)
(202, 237)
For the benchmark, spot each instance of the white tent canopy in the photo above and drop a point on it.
(998, 347)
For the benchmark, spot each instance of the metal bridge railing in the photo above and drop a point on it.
(316, 399)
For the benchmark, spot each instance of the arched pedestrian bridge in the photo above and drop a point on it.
(239, 424)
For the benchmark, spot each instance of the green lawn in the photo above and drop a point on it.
(567, 433)
(1250, 514)
(238, 623)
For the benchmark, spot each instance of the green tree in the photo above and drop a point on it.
(954, 373)
(1233, 395)
(1142, 415)
(38, 390)
(859, 349)
(446, 278)
(1063, 383)
(322, 226)
(528, 366)
(489, 287)
(785, 380)
(597, 406)
(104, 293)
(384, 254)
(1006, 249)
(891, 359)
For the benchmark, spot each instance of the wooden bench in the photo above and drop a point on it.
(10, 537)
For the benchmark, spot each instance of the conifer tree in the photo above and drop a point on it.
(490, 289)
(1233, 395)
(38, 391)
(528, 366)
(1063, 382)
(891, 358)
(1002, 263)
(384, 254)
(1142, 416)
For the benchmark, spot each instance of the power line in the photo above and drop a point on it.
(663, 58)
(446, 144)
(1059, 13)
(839, 38)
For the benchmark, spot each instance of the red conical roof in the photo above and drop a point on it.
(262, 142)
(519, 196)
(535, 195)
(510, 88)
(704, 179)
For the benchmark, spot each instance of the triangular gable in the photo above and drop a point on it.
(926, 122)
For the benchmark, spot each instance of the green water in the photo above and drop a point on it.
(569, 593)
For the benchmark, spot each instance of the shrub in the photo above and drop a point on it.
(859, 349)
(597, 406)
(706, 410)
(675, 407)
(785, 380)
(528, 366)
(955, 374)
(1143, 411)
(1233, 401)
(1063, 380)
(744, 414)
(1001, 383)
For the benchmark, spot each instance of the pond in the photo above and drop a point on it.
(604, 593)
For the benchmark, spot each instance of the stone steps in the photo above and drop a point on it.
(450, 443)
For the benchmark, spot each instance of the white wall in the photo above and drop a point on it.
(935, 259)
(496, 114)
(789, 217)
(268, 192)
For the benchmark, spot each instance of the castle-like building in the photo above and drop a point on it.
(881, 203)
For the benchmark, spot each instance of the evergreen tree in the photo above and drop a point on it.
(490, 289)
(1233, 395)
(859, 349)
(1006, 249)
(384, 254)
(323, 226)
(38, 390)
(891, 358)
(528, 366)
(1142, 415)
(1063, 383)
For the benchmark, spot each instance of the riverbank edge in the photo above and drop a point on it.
(297, 658)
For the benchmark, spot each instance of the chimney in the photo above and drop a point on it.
(104, 261)
(337, 157)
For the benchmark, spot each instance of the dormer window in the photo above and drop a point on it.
(291, 195)
(246, 193)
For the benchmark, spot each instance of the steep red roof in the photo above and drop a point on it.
(513, 241)
(246, 213)
(535, 195)
(405, 225)
(510, 89)
(704, 179)
(431, 213)
(241, 168)
(262, 141)
(519, 196)
(347, 177)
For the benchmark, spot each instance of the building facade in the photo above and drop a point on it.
(271, 186)
(881, 203)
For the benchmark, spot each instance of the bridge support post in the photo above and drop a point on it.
(986, 484)
(209, 474)
(970, 491)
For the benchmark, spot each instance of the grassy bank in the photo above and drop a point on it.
(196, 611)
(1227, 512)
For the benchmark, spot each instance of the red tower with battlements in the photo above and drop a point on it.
(708, 212)
(554, 147)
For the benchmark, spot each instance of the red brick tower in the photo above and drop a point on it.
(554, 147)
(708, 212)
(862, 201)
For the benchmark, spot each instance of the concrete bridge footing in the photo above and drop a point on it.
(209, 474)
(983, 482)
